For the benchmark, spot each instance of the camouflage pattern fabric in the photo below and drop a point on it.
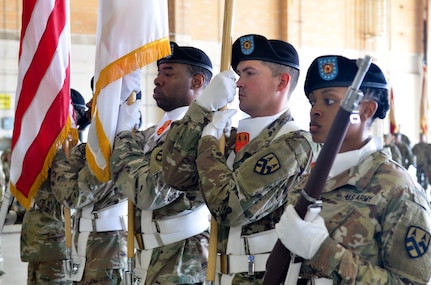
(379, 222)
(46, 273)
(406, 154)
(43, 239)
(395, 152)
(138, 174)
(421, 153)
(250, 195)
(74, 185)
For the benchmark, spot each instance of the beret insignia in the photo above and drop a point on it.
(328, 68)
(247, 45)
(417, 241)
(267, 164)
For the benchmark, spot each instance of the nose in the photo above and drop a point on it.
(315, 111)
(157, 81)
(239, 83)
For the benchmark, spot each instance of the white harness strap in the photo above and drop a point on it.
(157, 233)
(112, 218)
(143, 259)
(79, 251)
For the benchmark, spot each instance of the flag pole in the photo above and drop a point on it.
(226, 54)
(68, 225)
(130, 224)
(7, 201)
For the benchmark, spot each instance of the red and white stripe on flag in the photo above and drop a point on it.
(42, 120)
(130, 34)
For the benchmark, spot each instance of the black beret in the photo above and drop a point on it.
(187, 55)
(338, 71)
(77, 99)
(257, 47)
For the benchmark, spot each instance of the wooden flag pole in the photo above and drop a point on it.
(131, 224)
(226, 54)
(68, 224)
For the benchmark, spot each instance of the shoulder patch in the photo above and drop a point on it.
(267, 164)
(417, 241)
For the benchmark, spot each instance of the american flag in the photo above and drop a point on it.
(42, 120)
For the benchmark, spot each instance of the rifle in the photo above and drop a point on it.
(281, 258)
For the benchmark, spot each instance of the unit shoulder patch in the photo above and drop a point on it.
(267, 164)
(417, 241)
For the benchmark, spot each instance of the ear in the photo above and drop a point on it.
(284, 81)
(198, 81)
(367, 109)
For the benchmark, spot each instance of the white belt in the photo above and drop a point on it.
(257, 243)
(260, 242)
(243, 263)
(112, 218)
(158, 233)
(103, 225)
(320, 281)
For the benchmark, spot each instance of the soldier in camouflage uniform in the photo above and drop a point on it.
(421, 152)
(42, 233)
(395, 151)
(43, 240)
(99, 236)
(406, 151)
(375, 223)
(246, 188)
(182, 217)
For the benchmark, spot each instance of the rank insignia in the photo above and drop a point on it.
(159, 155)
(267, 164)
(241, 140)
(163, 127)
(172, 51)
(328, 67)
(247, 44)
(417, 241)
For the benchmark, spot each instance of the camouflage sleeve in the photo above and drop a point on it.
(403, 247)
(72, 182)
(180, 148)
(138, 174)
(259, 185)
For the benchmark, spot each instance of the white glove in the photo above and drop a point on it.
(129, 116)
(221, 123)
(301, 237)
(130, 82)
(219, 92)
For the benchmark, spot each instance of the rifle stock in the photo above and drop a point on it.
(278, 262)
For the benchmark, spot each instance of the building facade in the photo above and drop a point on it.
(391, 31)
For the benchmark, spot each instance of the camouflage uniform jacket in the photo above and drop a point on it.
(420, 151)
(74, 185)
(138, 174)
(406, 154)
(395, 152)
(42, 232)
(379, 224)
(252, 194)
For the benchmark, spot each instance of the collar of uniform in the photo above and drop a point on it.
(346, 160)
(254, 126)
